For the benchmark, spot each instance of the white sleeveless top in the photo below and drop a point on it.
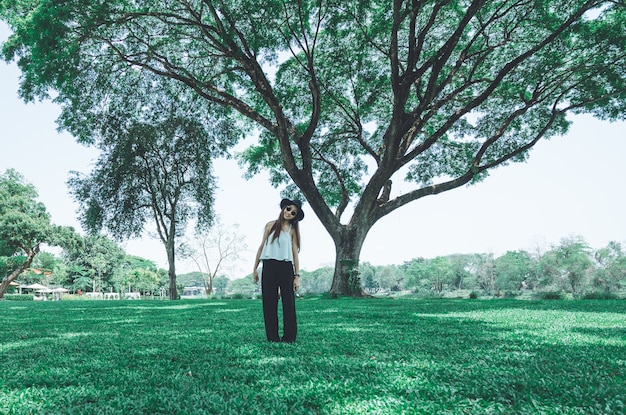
(280, 249)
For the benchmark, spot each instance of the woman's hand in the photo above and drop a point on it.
(296, 283)
(255, 276)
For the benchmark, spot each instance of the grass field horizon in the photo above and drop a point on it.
(353, 356)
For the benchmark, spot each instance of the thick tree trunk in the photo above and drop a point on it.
(173, 290)
(210, 290)
(208, 284)
(348, 244)
(171, 261)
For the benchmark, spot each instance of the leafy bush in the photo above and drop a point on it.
(599, 295)
(19, 297)
(511, 294)
(473, 295)
(551, 295)
(237, 296)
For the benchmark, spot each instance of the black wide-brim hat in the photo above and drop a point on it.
(286, 202)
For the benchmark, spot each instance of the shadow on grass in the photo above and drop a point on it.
(352, 356)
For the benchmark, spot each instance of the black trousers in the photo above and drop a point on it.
(275, 275)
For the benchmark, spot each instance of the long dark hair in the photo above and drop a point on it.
(278, 226)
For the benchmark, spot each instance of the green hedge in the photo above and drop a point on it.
(599, 295)
(18, 297)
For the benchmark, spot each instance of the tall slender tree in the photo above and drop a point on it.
(157, 143)
(212, 251)
(351, 96)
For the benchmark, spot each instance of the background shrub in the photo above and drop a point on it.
(551, 295)
(18, 297)
(599, 295)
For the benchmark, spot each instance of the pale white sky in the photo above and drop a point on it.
(572, 185)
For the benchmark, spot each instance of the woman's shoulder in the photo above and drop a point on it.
(269, 225)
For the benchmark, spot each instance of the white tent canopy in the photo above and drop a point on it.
(35, 287)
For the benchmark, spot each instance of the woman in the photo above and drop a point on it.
(279, 253)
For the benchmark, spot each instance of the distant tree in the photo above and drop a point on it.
(41, 269)
(191, 279)
(460, 269)
(440, 272)
(59, 272)
(94, 263)
(571, 263)
(316, 282)
(213, 250)
(611, 271)
(390, 278)
(77, 277)
(550, 275)
(416, 278)
(157, 144)
(368, 278)
(164, 280)
(24, 227)
(137, 279)
(242, 286)
(351, 96)
(376, 278)
(219, 284)
(135, 274)
(513, 270)
(483, 266)
(45, 262)
(135, 262)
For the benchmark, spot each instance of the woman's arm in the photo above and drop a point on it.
(296, 262)
(257, 260)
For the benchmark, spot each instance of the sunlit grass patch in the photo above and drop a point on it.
(353, 356)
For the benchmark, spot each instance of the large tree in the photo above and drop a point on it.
(157, 142)
(24, 227)
(351, 96)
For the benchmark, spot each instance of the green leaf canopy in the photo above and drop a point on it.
(351, 96)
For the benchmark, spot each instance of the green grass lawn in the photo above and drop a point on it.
(353, 356)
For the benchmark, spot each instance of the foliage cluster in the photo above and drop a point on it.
(568, 269)
(96, 263)
(353, 356)
(19, 297)
(350, 97)
(571, 267)
(24, 227)
(93, 263)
